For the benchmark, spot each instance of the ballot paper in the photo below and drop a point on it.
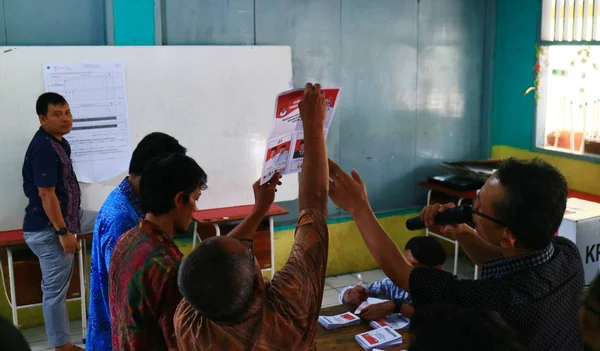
(382, 337)
(285, 145)
(367, 302)
(338, 321)
(395, 321)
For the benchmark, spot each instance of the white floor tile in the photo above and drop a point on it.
(341, 281)
(330, 298)
(371, 276)
(327, 287)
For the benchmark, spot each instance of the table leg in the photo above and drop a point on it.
(82, 290)
(194, 234)
(272, 234)
(11, 280)
(428, 201)
(217, 230)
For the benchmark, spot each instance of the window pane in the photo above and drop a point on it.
(569, 102)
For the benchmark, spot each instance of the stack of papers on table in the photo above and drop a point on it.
(395, 321)
(369, 301)
(341, 320)
(382, 337)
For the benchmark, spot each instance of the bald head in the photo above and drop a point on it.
(218, 279)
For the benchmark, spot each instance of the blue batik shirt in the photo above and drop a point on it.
(383, 289)
(120, 212)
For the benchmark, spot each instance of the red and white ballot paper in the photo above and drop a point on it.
(285, 145)
(382, 337)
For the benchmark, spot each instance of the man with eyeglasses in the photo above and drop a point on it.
(530, 277)
(226, 304)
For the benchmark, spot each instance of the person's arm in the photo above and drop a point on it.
(52, 207)
(474, 246)
(264, 195)
(350, 194)
(166, 298)
(314, 180)
(110, 233)
(45, 177)
(407, 310)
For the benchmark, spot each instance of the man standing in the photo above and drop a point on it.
(53, 213)
(121, 211)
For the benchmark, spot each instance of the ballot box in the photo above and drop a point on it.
(581, 225)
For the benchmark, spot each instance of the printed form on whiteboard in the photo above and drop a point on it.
(285, 145)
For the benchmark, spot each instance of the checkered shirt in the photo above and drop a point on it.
(499, 267)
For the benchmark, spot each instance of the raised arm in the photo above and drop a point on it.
(350, 194)
(314, 180)
(263, 199)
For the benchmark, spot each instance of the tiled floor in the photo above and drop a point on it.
(333, 285)
(39, 341)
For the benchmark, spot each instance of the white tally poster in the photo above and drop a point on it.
(97, 96)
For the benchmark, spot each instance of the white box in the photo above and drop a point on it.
(581, 225)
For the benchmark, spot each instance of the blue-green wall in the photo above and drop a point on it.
(133, 22)
(516, 39)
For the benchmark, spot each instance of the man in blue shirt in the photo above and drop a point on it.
(120, 212)
(424, 251)
(53, 213)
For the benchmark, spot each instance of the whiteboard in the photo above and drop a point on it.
(217, 100)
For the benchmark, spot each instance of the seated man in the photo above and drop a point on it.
(121, 211)
(226, 304)
(419, 251)
(530, 277)
(449, 327)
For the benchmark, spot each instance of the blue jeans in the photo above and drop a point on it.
(57, 269)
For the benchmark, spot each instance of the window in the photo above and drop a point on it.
(568, 77)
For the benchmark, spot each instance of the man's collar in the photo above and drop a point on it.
(42, 130)
(152, 229)
(133, 197)
(503, 266)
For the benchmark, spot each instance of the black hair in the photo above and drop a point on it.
(165, 177)
(427, 251)
(449, 327)
(218, 284)
(11, 338)
(46, 99)
(534, 202)
(274, 149)
(283, 146)
(301, 142)
(151, 146)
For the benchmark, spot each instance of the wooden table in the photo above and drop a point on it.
(12, 239)
(218, 216)
(343, 338)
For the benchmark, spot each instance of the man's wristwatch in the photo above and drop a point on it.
(62, 231)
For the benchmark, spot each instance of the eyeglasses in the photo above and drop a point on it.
(491, 219)
(249, 243)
